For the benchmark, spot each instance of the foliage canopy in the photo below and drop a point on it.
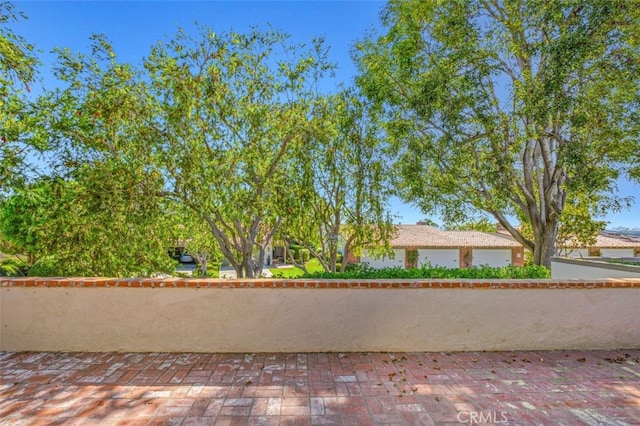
(18, 67)
(510, 108)
(345, 190)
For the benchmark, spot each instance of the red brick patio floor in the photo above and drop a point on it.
(519, 388)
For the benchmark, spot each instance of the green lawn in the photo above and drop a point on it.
(312, 266)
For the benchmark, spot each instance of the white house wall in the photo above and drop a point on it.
(575, 253)
(494, 258)
(616, 252)
(396, 261)
(448, 258)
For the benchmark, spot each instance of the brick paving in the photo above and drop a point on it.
(520, 388)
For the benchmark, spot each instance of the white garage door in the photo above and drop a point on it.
(384, 262)
(494, 258)
(448, 258)
(616, 252)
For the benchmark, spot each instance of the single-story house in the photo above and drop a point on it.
(418, 245)
(607, 245)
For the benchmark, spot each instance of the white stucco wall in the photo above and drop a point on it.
(448, 258)
(316, 320)
(494, 258)
(616, 252)
(397, 260)
(592, 268)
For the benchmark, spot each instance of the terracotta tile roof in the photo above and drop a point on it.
(605, 240)
(429, 236)
(484, 239)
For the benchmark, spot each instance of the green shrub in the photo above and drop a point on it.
(13, 268)
(304, 255)
(46, 267)
(213, 274)
(214, 266)
(213, 270)
(507, 272)
(624, 262)
(412, 257)
(349, 268)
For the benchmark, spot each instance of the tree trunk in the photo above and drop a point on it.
(240, 270)
(250, 267)
(346, 253)
(248, 270)
(204, 267)
(202, 260)
(246, 267)
(333, 257)
(545, 243)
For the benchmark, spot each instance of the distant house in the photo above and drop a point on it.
(606, 245)
(418, 245)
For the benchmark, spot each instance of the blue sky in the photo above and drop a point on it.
(132, 27)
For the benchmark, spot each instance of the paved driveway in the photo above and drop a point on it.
(518, 388)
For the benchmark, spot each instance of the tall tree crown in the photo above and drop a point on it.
(508, 107)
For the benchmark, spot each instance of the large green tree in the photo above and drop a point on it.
(97, 212)
(18, 65)
(97, 222)
(344, 190)
(233, 114)
(509, 107)
(221, 117)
